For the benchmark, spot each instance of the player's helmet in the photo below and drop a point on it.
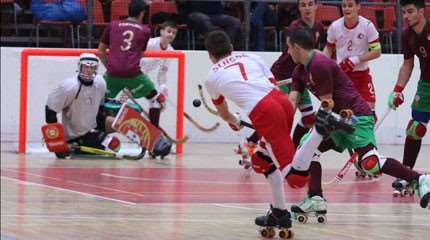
(87, 59)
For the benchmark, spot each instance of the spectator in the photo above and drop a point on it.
(204, 17)
(262, 15)
(58, 10)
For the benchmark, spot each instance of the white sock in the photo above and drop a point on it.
(276, 183)
(303, 157)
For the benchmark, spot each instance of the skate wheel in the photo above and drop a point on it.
(302, 219)
(404, 192)
(285, 234)
(321, 219)
(268, 232)
(346, 114)
(396, 193)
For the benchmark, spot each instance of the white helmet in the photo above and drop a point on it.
(87, 59)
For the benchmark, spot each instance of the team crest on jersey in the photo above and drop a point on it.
(360, 36)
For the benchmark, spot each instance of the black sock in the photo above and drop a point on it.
(299, 131)
(411, 150)
(154, 116)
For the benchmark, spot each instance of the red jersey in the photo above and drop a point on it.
(127, 40)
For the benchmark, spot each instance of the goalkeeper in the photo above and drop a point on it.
(79, 100)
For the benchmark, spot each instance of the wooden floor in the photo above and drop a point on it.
(202, 195)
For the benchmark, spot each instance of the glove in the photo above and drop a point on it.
(159, 101)
(163, 90)
(348, 64)
(296, 178)
(395, 99)
(322, 123)
(236, 125)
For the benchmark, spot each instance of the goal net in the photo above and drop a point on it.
(43, 69)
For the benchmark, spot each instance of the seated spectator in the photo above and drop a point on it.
(204, 17)
(58, 10)
(262, 15)
(287, 13)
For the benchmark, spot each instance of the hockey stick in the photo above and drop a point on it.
(202, 97)
(284, 82)
(109, 153)
(387, 112)
(342, 172)
(195, 123)
(173, 140)
(215, 112)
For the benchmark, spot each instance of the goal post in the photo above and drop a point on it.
(36, 52)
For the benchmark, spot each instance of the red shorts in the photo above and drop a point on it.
(272, 118)
(363, 83)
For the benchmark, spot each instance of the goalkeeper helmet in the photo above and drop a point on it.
(87, 68)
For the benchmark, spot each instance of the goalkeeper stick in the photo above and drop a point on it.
(98, 151)
(175, 141)
(342, 172)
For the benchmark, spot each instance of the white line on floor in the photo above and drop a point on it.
(26, 183)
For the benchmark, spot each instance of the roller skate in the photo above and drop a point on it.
(275, 218)
(424, 190)
(245, 150)
(315, 206)
(402, 188)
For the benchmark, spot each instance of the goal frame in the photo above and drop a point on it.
(37, 52)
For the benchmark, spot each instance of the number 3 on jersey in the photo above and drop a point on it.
(128, 38)
(241, 68)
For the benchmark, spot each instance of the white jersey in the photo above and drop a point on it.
(241, 78)
(149, 64)
(79, 104)
(350, 42)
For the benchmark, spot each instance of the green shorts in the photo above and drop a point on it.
(422, 97)
(361, 137)
(305, 98)
(139, 86)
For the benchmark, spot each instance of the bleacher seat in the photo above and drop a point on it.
(327, 14)
(170, 7)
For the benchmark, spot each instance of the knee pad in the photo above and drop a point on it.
(162, 147)
(416, 130)
(297, 179)
(262, 163)
(371, 162)
(111, 107)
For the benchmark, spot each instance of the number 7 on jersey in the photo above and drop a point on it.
(241, 68)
